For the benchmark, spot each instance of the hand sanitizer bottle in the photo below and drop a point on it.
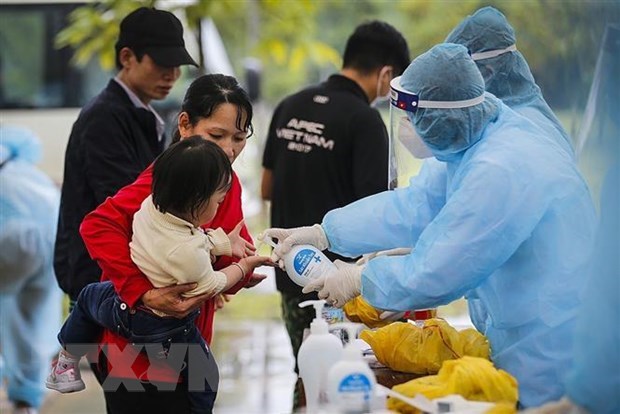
(317, 354)
(304, 262)
(351, 383)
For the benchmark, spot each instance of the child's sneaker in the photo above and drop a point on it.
(65, 376)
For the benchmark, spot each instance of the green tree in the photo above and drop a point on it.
(93, 30)
(560, 39)
(286, 41)
(299, 41)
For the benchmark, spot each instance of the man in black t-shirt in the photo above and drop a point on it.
(327, 147)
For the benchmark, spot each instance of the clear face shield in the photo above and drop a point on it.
(407, 148)
(493, 53)
(488, 69)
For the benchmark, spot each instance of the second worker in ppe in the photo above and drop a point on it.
(491, 40)
(510, 224)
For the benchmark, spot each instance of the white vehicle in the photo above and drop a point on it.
(42, 91)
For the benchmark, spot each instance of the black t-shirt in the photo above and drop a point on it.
(326, 148)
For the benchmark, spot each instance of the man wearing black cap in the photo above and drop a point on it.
(117, 134)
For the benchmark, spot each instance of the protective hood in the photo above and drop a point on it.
(446, 74)
(491, 42)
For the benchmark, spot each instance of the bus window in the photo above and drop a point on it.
(33, 74)
(41, 90)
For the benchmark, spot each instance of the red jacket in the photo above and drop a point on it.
(107, 232)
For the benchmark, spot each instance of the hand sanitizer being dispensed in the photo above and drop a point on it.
(304, 262)
(317, 354)
(351, 383)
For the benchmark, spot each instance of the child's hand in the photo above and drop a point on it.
(254, 280)
(240, 247)
(252, 262)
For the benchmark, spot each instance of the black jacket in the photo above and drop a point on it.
(326, 148)
(111, 143)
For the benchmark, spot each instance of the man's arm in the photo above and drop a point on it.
(370, 154)
(471, 237)
(406, 212)
(111, 159)
(266, 185)
(269, 159)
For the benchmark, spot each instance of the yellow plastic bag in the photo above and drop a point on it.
(474, 343)
(476, 379)
(358, 310)
(406, 347)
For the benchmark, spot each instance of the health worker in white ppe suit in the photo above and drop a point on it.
(510, 223)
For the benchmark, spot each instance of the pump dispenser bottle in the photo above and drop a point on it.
(317, 354)
(304, 262)
(351, 383)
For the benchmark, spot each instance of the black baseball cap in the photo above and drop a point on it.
(158, 33)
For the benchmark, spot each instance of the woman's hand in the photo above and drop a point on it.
(240, 247)
(169, 300)
(220, 300)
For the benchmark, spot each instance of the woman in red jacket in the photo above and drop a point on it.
(218, 109)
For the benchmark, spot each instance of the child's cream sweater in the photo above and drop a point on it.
(170, 250)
